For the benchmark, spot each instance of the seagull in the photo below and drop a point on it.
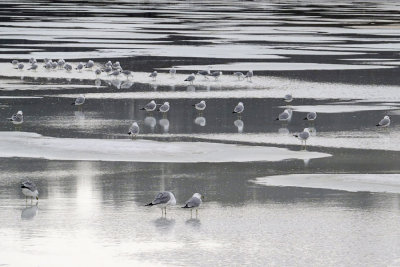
(97, 72)
(303, 136)
(172, 71)
(107, 70)
(68, 67)
(14, 62)
(249, 75)
(127, 73)
(115, 73)
(46, 60)
(204, 73)
(151, 106)
(29, 190)
(164, 108)
(108, 64)
(385, 122)
(79, 67)
(215, 74)
(47, 66)
(33, 67)
(17, 118)
(286, 115)
(32, 60)
(134, 129)
(61, 63)
(288, 98)
(200, 106)
(190, 78)
(54, 65)
(311, 116)
(89, 64)
(239, 75)
(239, 108)
(153, 75)
(194, 203)
(79, 100)
(163, 199)
(116, 65)
(20, 66)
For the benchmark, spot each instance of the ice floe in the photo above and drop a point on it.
(389, 183)
(32, 145)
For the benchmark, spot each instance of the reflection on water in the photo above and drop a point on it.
(191, 88)
(97, 83)
(164, 123)
(283, 131)
(201, 121)
(194, 222)
(29, 213)
(239, 124)
(164, 225)
(150, 122)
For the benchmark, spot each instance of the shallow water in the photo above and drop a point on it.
(337, 58)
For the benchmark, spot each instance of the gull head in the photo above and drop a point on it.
(240, 103)
(197, 195)
(166, 103)
(386, 117)
(19, 112)
(202, 102)
(307, 130)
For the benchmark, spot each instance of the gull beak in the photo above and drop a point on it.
(202, 197)
(37, 198)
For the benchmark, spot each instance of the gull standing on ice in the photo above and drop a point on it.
(17, 118)
(79, 100)
(33, 67)
(151, 106)
(311, 116)
(303, 136)
(127, 73)
(200, 106)
(20, 66)
(249, 75)
(385, 122)
(68, 67)
(194, 203)
(97, 72)
(239, 108)
(164, 108)
(286, 115)
(190, 78)
(288, 98)
(163, 200)
(172, 72)
(29, 190)
(204, 73)
(239, 75)
(215, 74)
(79, 67)
(14, 62)
(134, 129)
(153, 75)
(89, 64)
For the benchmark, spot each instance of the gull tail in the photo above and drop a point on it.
(142, 109)
(185, 207)
(277, 119)
(193, 105)
(378, 125)
(150, 204)
(295, 135)
(234, 112)
(305, 119)
(73, 104)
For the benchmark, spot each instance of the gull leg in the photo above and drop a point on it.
(197, 212)
(191, 213)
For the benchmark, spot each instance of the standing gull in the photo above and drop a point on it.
(385, 122)
(134, 129)
(151, 106)
(97, 72)
(17, 118)
(204, 73)
(20, 66)
(200, 106)
(79, 100)
(89, 64)
(153, 75)
(239, 108)
(79, 67)
(33, 67)
(29, 190)
(286, 115)
(164, 108)
(288, 98)
(190, 78)
(127, 73)
(239, 75)
(249, 75)
(194, 203)
(215, 74)
(14, 62)
(311, 116)
(68, 67)
(163, 199)
(172, 72)
(303, 136)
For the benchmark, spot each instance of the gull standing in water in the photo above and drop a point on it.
(311, 116)
(153, 75)
(215, 74)
(17, 118)
(172, 72)
(194, 203)
(238, 109)
(204, 73)
(385, 122)
(151, 106)
(127, 73)
(164, 108)
(201, 106)
(239, 75)
(288, 98)
(134, 130)
(29, 190)
(249, 75)
(303, 136)
(79, 100)
(190, 78)
(14, 62)
(79, 67)
(286, 115)
(163, 200)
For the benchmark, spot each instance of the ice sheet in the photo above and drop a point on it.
(33, 145)
(389, 183)
(342, 108)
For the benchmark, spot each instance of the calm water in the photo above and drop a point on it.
(92, 213)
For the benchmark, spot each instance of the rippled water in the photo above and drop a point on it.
(338, 58)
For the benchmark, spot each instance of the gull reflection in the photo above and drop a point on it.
(306, 162)
(164, 123)
(191, 88)
(172, 88)
(29, 213)
(201, 121)
(240, 125)
(150, 122)
(193, 222)
(126, 84)
(154, 86)
(116, 83)
(163, 224)
(97, 83)
(283, 131)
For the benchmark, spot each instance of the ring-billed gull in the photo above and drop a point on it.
(68, 67)
(89, 64)
(204, 73)
(288, 98)
(249, 75)
(172, 71)
(215, 74)
(108, 64)
(194, 203)
(32, 60)
(151, 106)
(79, 67)
(385, 122)
(286, 115)
(163, 200)
(97, 72)
(303, 136)
(127, 73)
(33, 67)
(153, 75)
(54, 65)
(200, 106)
(61, 63)
(29, 189)
(20, 66)
(79, 100)
(164, 108)
(17, 118)
(107, 70)
(190, 78)
(134, 129)
(239, 75)
(14, 62)
(311, 116)
(116, 65)
(115, 73)
(239, 108)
